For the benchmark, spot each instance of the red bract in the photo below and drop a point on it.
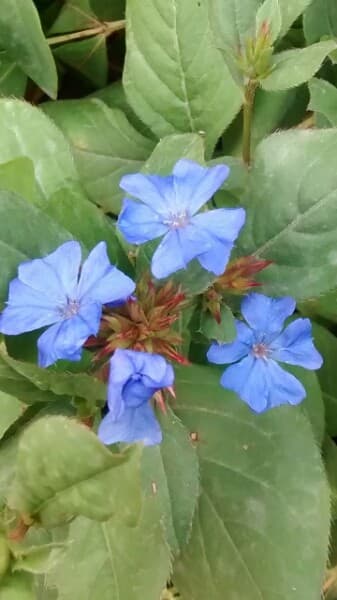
(144, 323)
(238, 278)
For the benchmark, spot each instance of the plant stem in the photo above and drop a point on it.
(248, 105)
(105, 28)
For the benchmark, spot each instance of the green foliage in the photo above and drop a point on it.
(247, 508)
(80, 477)
(101, 160)
(172, 470)
(296, 227)
(293, 67)
(181, 84)
(23, 39)
(12, 78)
(26, 132)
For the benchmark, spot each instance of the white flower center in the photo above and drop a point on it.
(70, 309)
(177, 220)
(261, 350)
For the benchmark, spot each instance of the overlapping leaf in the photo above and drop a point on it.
(175, 79)
(264, 496)
(101, 159)
(291, 216)
(63, 470)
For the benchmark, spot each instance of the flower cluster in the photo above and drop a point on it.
(131, 328)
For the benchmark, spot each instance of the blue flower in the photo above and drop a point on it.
(168, 208)
(57, 291)
(257, 377)
(133, 379)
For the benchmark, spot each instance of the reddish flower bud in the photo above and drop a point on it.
(238, 275)
(145, 323)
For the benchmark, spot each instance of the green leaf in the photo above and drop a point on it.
(25, 390)
(63, 470)
(173, 472)
(39, 559)
(10, 410)
(232, 20)
(75, 15)
(270, 13)
(43, 592)
(113, 96)
(323, 99)
(12, 80)
(293, 67)
(25, 232)
(262, 481)
(320, 19)
(78, 385)
(9, 445)
(174, 78)
(101, 160)
(330, 461)
(324, 306)
(313, 404)
(290, 220)
(26, 132)
(225, 331)
(22, 37)
(326, 343)
(17, 586)
(24, 185)
(89, 57)
(171, 149)
(109, 11)
(114, 561)
(70, 208)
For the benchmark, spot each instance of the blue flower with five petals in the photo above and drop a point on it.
(134, 378)
(168, 209)
(57, 291)
(256, 375)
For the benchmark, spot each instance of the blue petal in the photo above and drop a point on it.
(56, 275)
(195, 185)
(223, 223)
(221, 354)
(135, 393)
(266, 315)
(102, 282)
(156, 371)
(139, 224)
(136, 425)
(283, 387)
(65, 339)
(121, 369)
(294, 346)
(155, 191)
(222, 227)
(168, 257)
(216, 259)
(248, 379)
(27, 310)
(177, 249)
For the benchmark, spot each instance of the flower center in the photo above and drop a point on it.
(177, 220)
(260, 351)
(70, 309)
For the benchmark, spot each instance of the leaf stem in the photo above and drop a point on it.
(248, 106)
(106, 28)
